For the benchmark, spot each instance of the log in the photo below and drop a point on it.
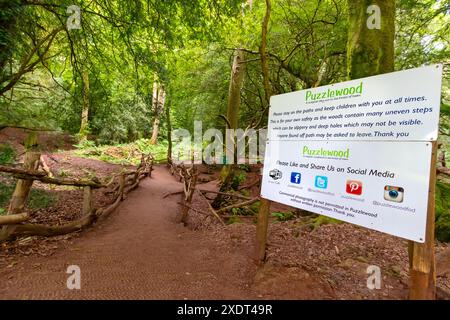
(196, 210)
(254, 183)
(13, 219)
(211, 208)
(45, 167)
(51, 231)
(443, 170)
(239, 205)
(104, 212)
(172, 193)
(30, 174)
(226, 194)
(17, 170)
(63, 182)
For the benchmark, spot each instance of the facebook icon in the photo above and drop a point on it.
(296, 177)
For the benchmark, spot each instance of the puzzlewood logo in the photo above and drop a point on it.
(330, 93)
(324, 153)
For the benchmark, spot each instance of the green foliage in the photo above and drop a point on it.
(85, 144)
(7, 154)
(38, 199)
(238, 178)
(245, 167)
(283, 216)
(63, 173)
(187, 46)
(255, 206)
(323, 220)
(443, 212)
(233, 219)
(125, 154)
(122, 44)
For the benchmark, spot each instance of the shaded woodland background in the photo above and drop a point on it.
(138, 69)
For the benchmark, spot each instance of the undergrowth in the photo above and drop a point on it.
(39, 199)
(125, 154)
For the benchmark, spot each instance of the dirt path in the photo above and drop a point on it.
(140, 252)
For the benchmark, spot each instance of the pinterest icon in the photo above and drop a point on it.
(354, 187)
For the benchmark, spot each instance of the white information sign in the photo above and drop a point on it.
(400, 106)
(350, 164)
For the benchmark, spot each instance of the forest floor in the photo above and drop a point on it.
(142, 252)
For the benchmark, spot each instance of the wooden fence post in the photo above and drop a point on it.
(23, 187)
(422, 258)
(261, 230)
(122, 186)
(87, 201)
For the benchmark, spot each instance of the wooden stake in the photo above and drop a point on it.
(87, 201)
(422, 259)
(261, 230)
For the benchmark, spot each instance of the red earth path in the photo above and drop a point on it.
(141, 252)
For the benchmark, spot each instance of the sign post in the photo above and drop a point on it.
(364, 152)
(421, 255)
(261, 230)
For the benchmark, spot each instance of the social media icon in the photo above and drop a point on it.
(276, 174)
(296, 177)
(354, 187)
(321, 182)
(394, 194)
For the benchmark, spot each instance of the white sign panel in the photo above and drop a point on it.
(399, 106)
(381, 186)
(358, 151)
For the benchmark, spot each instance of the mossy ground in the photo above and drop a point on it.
(39, 199)
(443, 211)
(125, 154)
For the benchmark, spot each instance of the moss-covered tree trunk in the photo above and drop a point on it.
(264, 208)
(233, 107)
(159, 106)
(23, 187)
(169, 133)
(370, 51)
(85, 108)
(370, 47)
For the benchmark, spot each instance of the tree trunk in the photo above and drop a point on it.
(23, 187)
(264, 207)
(234, 91)
(85, 111)
(233, 106)
(159, 106)
(169, 134)
(370, 51)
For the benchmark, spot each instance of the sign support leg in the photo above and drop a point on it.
(261, 230)
(421, 255)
